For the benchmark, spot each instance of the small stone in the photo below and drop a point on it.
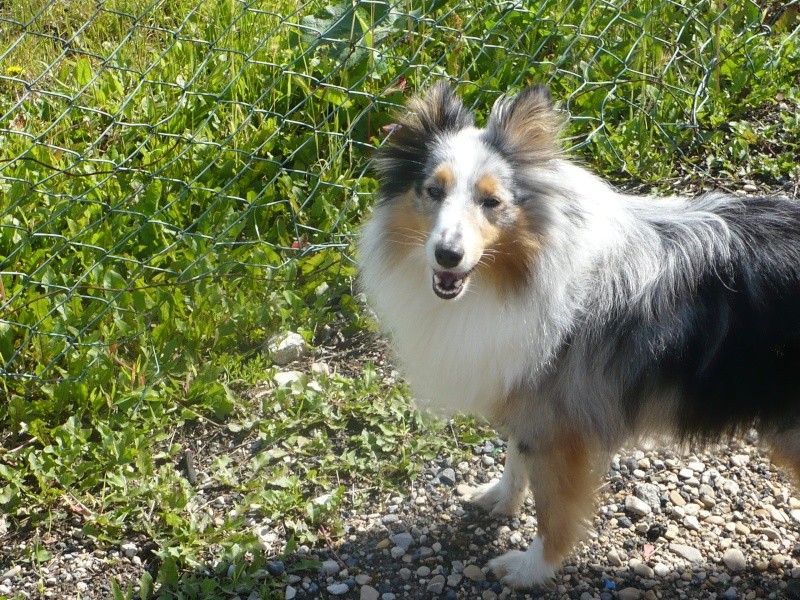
(337, 589)
(404, 540)
(463, 490)
(650, 493)
(423, 571)
(489, 595)
(436, 584)
(687, 552)
(405, 573)
(637, 507)
(749, 188)
(369, 593)
(778, 561)
(730, 487)
(739, 460)
(629, 593)
(731, 593)
(284, 378)
(330, 567)
(129, 549)
(691, 523)
(474, 573)
(661, 569)
(696, 466)
(447, 476)
(644, 570)
(676, 498)
(287, 348)
(454, 579)
(487, 461)
(685, 473)
(320, 368)
(613, 559)
(290, 593)
(734, 560)
(397, 551)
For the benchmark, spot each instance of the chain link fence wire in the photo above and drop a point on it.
(186, 172)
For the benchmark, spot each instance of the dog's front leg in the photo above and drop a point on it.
(564, 485)
(504, 497)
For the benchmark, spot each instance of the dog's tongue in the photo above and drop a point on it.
(447, 285)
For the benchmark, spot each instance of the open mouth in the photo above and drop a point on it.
(448, 285)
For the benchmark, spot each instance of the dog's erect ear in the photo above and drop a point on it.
(440, 110)
(527, 124)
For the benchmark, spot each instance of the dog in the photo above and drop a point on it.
(517, 285)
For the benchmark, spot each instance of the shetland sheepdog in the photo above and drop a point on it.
(519, 286)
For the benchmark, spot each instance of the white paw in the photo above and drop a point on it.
(496, 498)
(527, 569)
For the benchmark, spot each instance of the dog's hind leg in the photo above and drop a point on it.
(504, 497)
(564, 484)
(784, 448)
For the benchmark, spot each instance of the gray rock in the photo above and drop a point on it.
(286, 377)
(731, 593)
(661, 570)
(454, 579)
(369, 593)
(691, 523)
(650, 493)
(436, 584)
(644, 571)
(129, 549)
(613, 559)
(629, 593)
(637, 507)
(404, 540)
(286, 348)
(337, 589)
(363, 579)
(447, 476)
(474, 573)
(734, 560)
(397, 551)
(687, 552)
(290, 593)
(330, 567)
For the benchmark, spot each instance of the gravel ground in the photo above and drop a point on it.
(716, 525)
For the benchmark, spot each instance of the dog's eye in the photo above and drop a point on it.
(435, 192)
(490, 202)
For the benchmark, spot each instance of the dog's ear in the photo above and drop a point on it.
(527, 124)
(440, 110)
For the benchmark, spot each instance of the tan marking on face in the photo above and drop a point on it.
(488, 187)
(444, 174)
(406, 227)
(508, 256)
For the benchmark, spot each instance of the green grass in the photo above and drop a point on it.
(181, 181)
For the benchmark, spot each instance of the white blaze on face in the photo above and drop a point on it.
(459, 218)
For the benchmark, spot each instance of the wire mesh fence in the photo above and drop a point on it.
(185, 172)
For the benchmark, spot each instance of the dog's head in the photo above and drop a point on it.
(465, 193)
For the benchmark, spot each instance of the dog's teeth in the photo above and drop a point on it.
(457, 283)
(437, 278)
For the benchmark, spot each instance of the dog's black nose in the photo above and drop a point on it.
(448, 256)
